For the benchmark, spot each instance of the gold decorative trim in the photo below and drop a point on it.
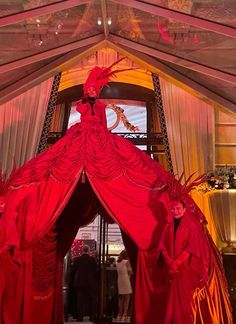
(121, 118)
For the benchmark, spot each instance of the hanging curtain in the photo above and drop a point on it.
(21, 125)
(190, 127)
(202, 200)
(58, 118)
(223, 208)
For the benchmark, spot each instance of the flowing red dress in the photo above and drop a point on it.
(193, 294)
(37, 226)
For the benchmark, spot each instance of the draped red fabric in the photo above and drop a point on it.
(194, 272)
(46, 205)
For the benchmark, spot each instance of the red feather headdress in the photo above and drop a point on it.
(100, 76)
(177, 191)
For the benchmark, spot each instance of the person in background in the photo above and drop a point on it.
(111, 288)
(85, 280)
(124, 272)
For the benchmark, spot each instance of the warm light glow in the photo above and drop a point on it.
(78, 74)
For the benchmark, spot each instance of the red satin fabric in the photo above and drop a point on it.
(126, 182)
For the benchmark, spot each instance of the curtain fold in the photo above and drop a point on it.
(201, 199)
(21, 125)
(190, 127)
(222, 204)
(58, 118)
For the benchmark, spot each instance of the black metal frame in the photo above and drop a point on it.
(49, 114)
(160, 109)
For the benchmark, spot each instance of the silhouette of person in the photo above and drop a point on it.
(85, 277)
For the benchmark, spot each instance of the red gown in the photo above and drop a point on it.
(112, 164)
(38, 226)
(192, 295)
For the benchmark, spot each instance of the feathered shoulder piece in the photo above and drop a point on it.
(5, 183)
(100, 76)
(177, 191)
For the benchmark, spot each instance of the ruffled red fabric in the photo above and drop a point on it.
(123, 177)
(126, 182)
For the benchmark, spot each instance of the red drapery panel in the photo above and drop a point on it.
(125, 181)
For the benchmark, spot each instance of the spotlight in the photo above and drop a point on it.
(109, 21)
(99, 21)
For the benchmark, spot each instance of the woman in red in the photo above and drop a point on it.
(191, 283)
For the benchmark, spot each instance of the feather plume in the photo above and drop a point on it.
(99, 76)
(176, 191)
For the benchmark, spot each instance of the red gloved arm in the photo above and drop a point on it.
(172, 267)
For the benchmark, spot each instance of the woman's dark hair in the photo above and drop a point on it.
(181, 201)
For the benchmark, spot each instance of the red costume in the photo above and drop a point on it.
(46, 204)
(178, 290)
(189, 276)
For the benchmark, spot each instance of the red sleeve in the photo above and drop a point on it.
(194, 243)
(188, 237)
(165, 241)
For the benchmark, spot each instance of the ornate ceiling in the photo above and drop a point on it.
(190, 41)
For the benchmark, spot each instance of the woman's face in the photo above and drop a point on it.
(91, 92)
(177, 210)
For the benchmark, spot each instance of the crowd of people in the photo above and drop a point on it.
(83, 295)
